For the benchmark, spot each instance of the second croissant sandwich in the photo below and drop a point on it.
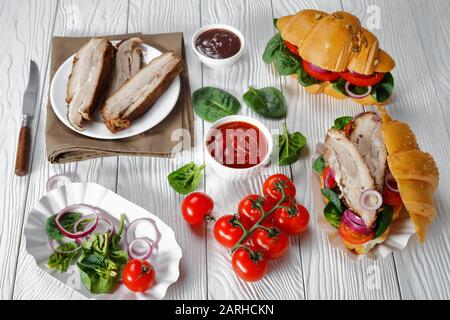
(332, 54)
(371, 169)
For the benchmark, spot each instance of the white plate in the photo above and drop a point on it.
(166, 253)
(96, 128)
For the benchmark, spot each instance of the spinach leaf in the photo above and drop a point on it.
(319, 165)
(275, 22)
(67, 221)
(289, 146)
(184, 180)
(285, 62)
(304, 78)
(98, 274)
(357, 89)
(268, 102)
(341, 122)
(60, 260)
(274, 45)
(211, 104)
(339, 86)
(332, 214)
(384, 220)
(333, 198)
(383, 90)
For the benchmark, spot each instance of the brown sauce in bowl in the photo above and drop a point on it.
(218, 43)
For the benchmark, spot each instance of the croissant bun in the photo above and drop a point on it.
(335, 42)
(415, 171)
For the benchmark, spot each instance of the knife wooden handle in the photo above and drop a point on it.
(23, 151)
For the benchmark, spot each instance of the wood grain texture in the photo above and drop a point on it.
(73, 18)
(144, 180)
(331, 275)
(284, 280)
(21, 41)
(423, 270)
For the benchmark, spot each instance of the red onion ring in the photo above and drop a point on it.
(108, 226)
(52, 181)
(388, 179)
(330, 173)
(355, 222)
(354, 95)
(148, 247)
(51, 243)
(131, 229)
(317, 68)
(75, 235)
(364, 196)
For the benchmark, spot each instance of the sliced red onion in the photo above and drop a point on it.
(104, 225)
(391, 183)
(317, 68)
(74, 208)
(330, 174)
(55, 244)
(368, 195)
(53, 181)
(140, 248)
(130, 233)
(354, 95)
(355, 222)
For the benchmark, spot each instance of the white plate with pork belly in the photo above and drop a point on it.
(96, 128)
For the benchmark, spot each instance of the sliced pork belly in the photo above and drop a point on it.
(128, 63)
(366, 135)
(139, 93)
(89, 79)
(351, 172)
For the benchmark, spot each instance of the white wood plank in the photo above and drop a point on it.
(423, 270)
(74, 18)
(144, 180)
(24, 33)
(331, 275)
(284, 280)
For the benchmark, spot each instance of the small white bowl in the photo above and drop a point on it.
(218, 63)
(238, 173)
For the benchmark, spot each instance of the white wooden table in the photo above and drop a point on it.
(416, 33)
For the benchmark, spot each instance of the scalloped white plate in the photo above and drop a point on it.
(166, 254)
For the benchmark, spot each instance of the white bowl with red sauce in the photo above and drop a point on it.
(218, 45)
(238, 147)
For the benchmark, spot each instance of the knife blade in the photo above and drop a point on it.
(28, 108)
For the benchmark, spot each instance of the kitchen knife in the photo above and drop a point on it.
(28, 107)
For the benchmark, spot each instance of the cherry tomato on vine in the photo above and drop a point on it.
(227, 232)
(249, 211)
(197, 207)
(138, 275)
(273, 184)
(271, 241)
(249, 264)
(293, 218)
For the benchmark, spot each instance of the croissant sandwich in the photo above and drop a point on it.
(332, 54)
(371, 169)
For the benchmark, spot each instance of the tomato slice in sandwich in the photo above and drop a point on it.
(291, 47)
(319, 73)
(391, 198)
(354, 237)
(361, 79)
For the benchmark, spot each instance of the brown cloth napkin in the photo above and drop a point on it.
(65, 145)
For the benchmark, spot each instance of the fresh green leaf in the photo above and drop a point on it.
(211, 104)
(274, 45)
(333, 198)
(341, 122)
(268, 102)
(383, 90)
(319, 165)
(67, 221)
(184, 180)
(98, 274)
(358, 90)
(289, 146)
(384, 220)
(275, 22)
(339, 86)
(61, 260)
(332, 214)
(285, 62)
(304, 78)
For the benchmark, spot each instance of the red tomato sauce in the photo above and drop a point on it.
(237, 145)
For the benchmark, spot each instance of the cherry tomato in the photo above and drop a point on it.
(291, 47)
(249, 211)
(354, 237)
(249, 265)
(138, 275)
(196, 207)
(272, 242)
(227, 232)
(361, 79)
(325, 75)
(390, 197)
(274, 182)
(292, 220)
(328, 178)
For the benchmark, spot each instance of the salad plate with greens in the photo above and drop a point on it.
(93, 240)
